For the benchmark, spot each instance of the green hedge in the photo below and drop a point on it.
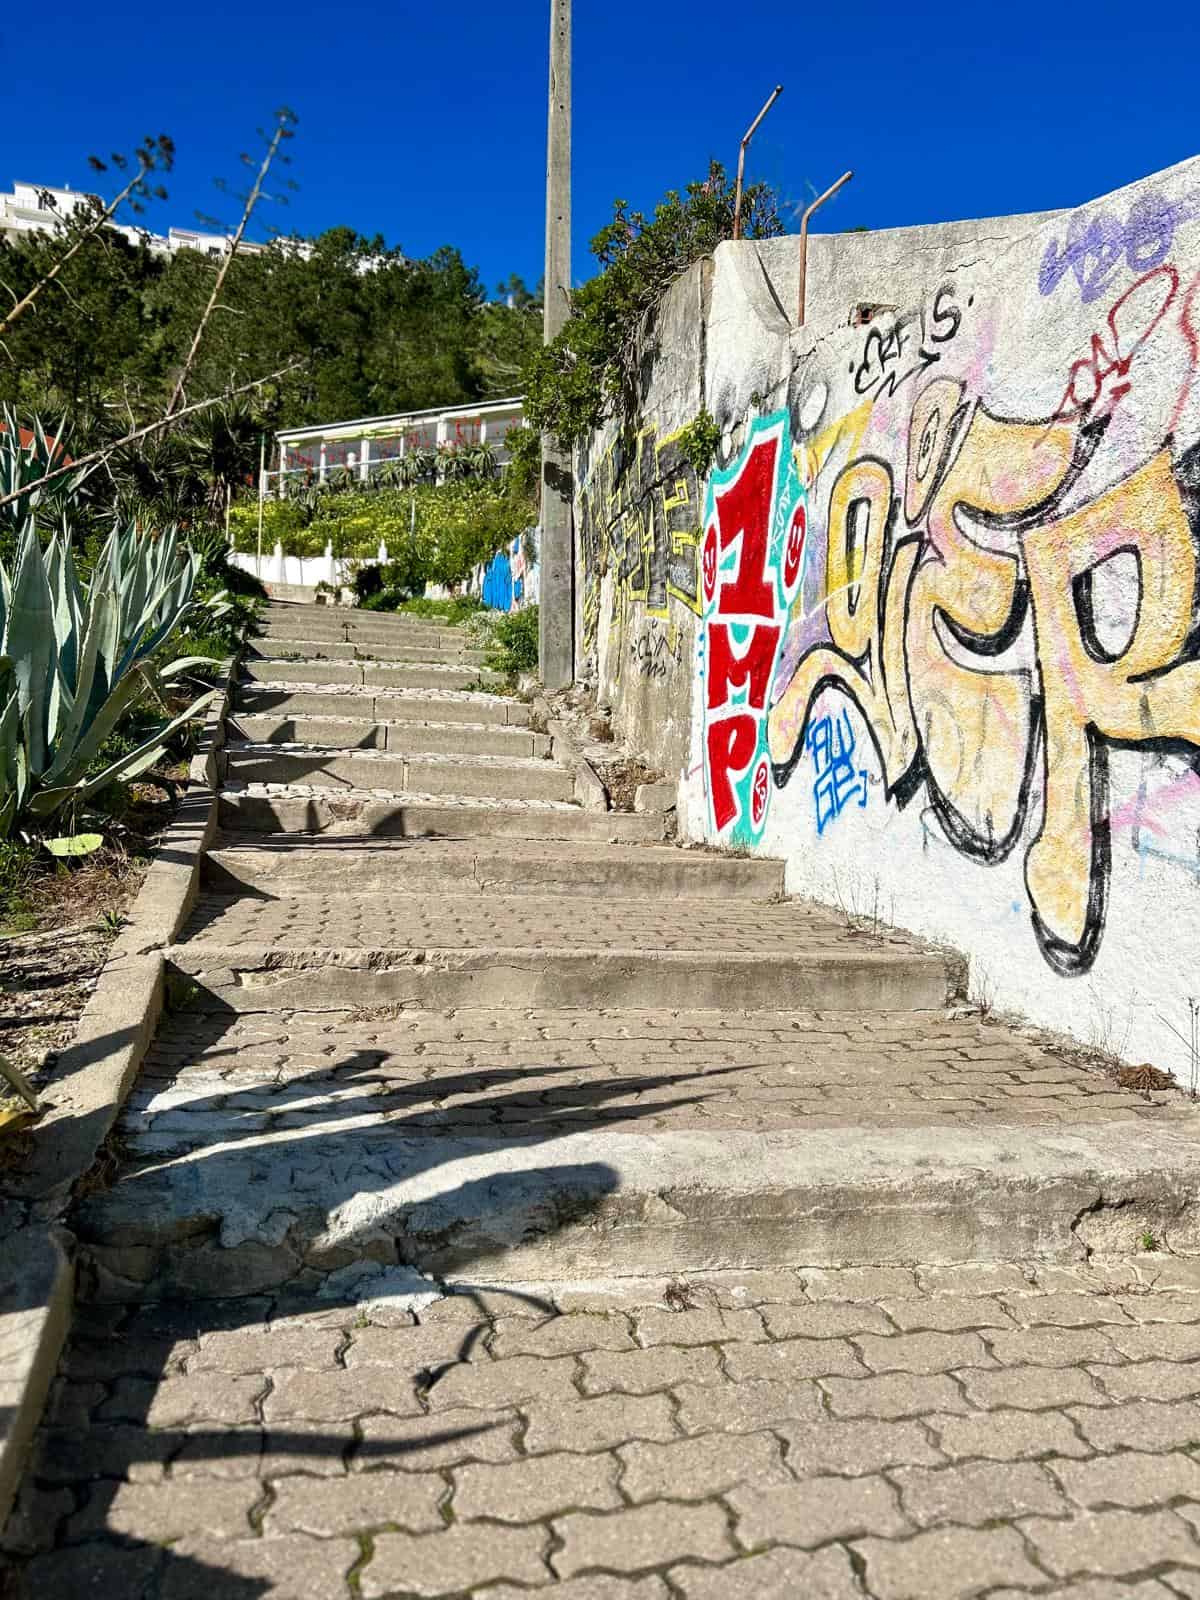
(283, 523)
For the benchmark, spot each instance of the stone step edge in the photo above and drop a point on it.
(351, 616)
(256, 977)
(451, 758)
(290, 812)
(602, 1204)
(352, 694)
(358, 691)
(250, 956)
(414, 724)
(260, 661)
(254, 674)
(449, 802)
(619, 899)
(230, 839)
(442, 656)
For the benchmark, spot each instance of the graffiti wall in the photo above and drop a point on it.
(946, 659)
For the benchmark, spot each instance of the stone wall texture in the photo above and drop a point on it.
(928, 630)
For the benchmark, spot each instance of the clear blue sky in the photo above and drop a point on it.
(427, 123)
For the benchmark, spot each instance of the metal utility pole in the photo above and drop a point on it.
(556, 612)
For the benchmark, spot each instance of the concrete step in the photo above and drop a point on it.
(357, 624)
(273, 978)
(397, 705)
(410, 737)
(450, 950)
(267, 1151)
(275, 648)
(367, 674)
(469, 866)
(493, 776)
(307, 809)
(320, 623)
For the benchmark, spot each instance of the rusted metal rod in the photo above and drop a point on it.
(750, 132)
(819, 201)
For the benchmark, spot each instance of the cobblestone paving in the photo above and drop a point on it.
(525, 921)
(818, 1435)
(478, 1070)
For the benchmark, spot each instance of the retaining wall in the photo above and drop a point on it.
(928, 629)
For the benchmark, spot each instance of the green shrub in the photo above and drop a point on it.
(283, 520)
(18, 874)
(514, 647)
(219, 636)
(452, 612)
(367, 580)
(437, 533)
(591, 369)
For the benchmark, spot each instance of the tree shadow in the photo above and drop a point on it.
(181, 1202)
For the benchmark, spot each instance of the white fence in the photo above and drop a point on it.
(307, 571)
(507, 582)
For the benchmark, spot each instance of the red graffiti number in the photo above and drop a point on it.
(743, 511)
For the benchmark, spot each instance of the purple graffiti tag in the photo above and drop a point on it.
(1098, 241)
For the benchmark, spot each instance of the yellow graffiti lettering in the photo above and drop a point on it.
(974, 718)
(1140, 695)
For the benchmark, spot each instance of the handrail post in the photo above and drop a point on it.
(749, 134)
(819, 201)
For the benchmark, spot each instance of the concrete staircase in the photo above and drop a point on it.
(429, 1010)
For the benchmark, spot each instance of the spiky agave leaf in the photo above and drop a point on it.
(80, 660)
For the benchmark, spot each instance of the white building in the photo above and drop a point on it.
(361, 447)
(35, 206)
(367, 443)
(38, 207)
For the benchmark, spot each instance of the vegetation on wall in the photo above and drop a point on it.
(590, 371)
(699, 442)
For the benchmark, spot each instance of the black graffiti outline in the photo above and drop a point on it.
(888, 382)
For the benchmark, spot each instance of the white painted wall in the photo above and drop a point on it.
(1070, 341)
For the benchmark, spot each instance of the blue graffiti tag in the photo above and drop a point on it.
(1097, 240)
(831, 745)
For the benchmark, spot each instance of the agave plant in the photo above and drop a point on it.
(26, 456)
(461, 461)
(73, 661)
(416, 466)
